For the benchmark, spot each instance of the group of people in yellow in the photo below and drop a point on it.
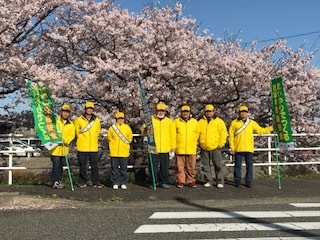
(180, 137)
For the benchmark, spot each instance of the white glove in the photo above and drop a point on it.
(171, 155)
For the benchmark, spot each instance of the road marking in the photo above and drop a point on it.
(267, 238)
(305, 205)
(227, 227)
(240, 214)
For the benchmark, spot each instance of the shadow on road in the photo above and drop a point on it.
(299, 233)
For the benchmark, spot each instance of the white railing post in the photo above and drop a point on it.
(10, 161)
(10, 170)
(269, 155)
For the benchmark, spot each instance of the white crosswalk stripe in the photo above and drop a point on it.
(306, 205)
(227, 227)
(244, 214)
(266, 238)
(293, 221)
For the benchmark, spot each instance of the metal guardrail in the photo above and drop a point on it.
(269, 149)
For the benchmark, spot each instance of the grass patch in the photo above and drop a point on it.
(116, 199)
(54, 196)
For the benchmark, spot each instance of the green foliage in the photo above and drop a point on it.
(116, 199)
(54, 196)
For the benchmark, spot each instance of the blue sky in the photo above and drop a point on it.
(256, 19)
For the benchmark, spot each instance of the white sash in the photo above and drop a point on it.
(86, 128)
(120, 135)
(246, 123)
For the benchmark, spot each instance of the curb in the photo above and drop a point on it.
(12, 200)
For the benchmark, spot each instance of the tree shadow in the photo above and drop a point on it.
(299, 233)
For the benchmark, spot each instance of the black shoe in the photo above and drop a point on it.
(238, 185)
(248, 185)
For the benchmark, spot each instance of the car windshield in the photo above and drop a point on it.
(14, 144)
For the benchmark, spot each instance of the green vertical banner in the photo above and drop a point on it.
(281, 116)
(44, 115)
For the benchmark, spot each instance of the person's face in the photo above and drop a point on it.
(89, 111)
(243, 114)
(120, 120)
(185, 115)
(64, 114)
(161, 113)
(209, 114)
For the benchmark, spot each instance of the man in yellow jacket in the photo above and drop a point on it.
(87, 131)
(241, 142)
(165, 141)
(213, 136)
(119, 138)
(187, 134)
(58, 154)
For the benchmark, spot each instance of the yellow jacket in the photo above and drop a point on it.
(87, 141)
(66, 128)
(213, 134)
(244, 141)
(117, 147)
(164, 134)
(187, 136)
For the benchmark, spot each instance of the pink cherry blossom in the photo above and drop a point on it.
(87, 50)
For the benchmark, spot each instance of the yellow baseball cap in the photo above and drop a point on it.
(66, 107)
(161, 106)
(243, 108)
(89, 105)
(209, 107)
(119, 115)
(185, 108)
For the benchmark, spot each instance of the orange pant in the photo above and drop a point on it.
(188, 162)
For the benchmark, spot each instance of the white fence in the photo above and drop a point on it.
(271, 152)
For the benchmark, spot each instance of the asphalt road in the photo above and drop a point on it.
(121, 223)
(108, 214)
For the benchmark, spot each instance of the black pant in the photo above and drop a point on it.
(249, 167)
(163, 160)
(119, 174)
(93, 161)
(57, 167)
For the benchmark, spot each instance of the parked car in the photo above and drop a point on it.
(20, 147)
(33, 142)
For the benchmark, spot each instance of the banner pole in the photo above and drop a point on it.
(152, 171)
(148, 122)
(68, 167)
(277, 160)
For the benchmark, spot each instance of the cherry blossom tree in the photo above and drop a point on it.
(21, 26)
(96, 51)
